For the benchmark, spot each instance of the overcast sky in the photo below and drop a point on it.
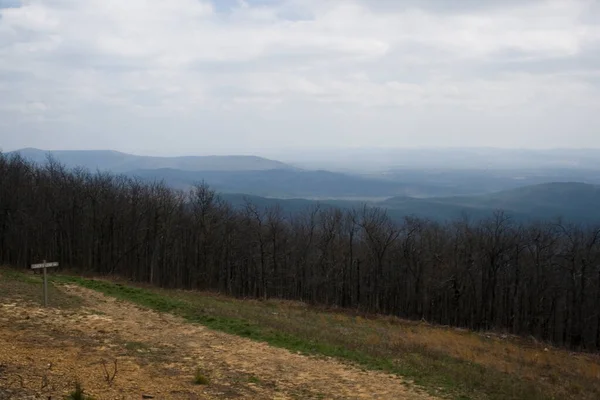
(200, 77)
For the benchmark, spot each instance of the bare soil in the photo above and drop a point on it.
(43, 352)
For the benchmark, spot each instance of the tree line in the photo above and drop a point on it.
(536, 279)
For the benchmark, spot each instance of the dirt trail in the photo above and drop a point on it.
(43, 351)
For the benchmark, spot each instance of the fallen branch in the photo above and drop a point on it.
(107, 376)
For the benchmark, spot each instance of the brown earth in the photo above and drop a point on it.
(43, 352)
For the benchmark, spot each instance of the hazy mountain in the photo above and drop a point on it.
(450, 182)
(289, 206)
(285, 183)
(573, 202)
(122, 162)
(431, 192)
(321, 184)
(386, 159)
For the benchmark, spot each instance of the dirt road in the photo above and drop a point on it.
(44, 351)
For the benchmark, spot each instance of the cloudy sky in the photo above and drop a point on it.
(227, 76)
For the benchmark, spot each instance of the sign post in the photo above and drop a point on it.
(43, 266)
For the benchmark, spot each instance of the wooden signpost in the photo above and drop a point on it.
(45, 265)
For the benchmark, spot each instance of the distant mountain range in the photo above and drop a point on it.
(386, 159)
(122, 162)
(438, 194)
(289, 183)
(239, 174)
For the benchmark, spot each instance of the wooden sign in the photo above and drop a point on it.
(43, 266)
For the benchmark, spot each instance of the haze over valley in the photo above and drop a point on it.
(528, 185)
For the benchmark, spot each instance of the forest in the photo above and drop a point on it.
(532, 279)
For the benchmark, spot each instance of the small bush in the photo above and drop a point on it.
(78, 393)
(200, 378)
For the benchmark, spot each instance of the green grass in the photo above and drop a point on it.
(313, 332)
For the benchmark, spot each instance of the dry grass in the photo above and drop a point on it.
(526, 358)
(453, 362)
(461, 363)
(44, 350)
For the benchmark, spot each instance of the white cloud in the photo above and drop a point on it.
(294, 62)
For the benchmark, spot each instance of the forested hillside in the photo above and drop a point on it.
(537, 279)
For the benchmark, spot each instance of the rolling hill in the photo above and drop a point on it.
(574, 202)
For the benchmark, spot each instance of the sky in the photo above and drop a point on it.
(253, 77)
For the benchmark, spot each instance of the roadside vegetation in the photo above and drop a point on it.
(448, 362)
(445, 361)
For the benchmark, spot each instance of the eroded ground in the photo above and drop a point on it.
(44, 351)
